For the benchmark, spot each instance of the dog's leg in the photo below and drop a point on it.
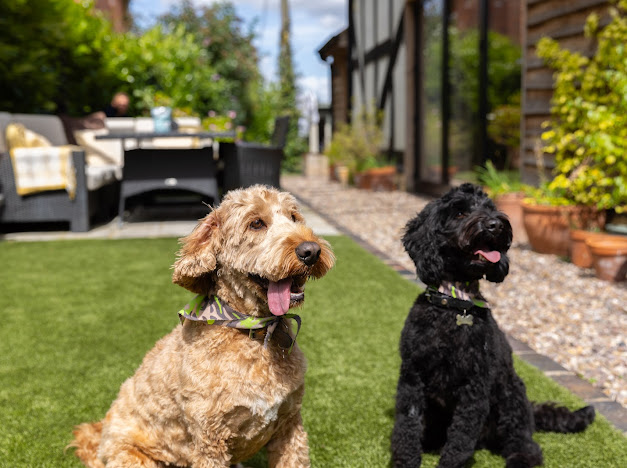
(288, 447)
(469, 417)
(515, 426)
(408, 426)
(134, 458)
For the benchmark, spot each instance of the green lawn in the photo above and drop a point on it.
(78, 316)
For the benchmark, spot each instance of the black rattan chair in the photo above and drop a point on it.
(247, 164)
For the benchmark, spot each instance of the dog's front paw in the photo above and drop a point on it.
(523, 460)
(407, 460)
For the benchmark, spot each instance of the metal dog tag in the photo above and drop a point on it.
(464, 319)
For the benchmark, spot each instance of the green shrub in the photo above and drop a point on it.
(54, 57)
(498, 182)
(168, 63)
(358, 146)
(587, 132)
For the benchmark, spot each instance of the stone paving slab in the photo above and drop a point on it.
(152, 229)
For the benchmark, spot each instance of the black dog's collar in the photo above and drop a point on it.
(437, 298)
(456, 298)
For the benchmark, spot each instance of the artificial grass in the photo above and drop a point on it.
(78, 316)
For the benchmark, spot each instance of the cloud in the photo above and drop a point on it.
(329, 13)
(319, 85)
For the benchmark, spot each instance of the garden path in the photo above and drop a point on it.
(557, 309)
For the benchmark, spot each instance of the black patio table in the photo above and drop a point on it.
(148, 169)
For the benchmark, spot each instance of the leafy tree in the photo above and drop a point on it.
(229, 49)
(295, 145)
(503, 84)
(168, 67)
(503, 68)
(54, 57)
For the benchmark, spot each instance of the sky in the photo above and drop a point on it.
(313, 23)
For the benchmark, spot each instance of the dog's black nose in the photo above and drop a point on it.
(494, 226)
(308, 253)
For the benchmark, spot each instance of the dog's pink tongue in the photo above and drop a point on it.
(493, 256)
(279, 296)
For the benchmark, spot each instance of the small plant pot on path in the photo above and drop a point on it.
(378, 179)
(580, 253)
(342, 173)
(609, 257)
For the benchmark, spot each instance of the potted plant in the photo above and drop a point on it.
(355, 150)
(587, 132)
(505, 188)
(340, 152)
(546, 220)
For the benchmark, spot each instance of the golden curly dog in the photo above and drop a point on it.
(211, 395)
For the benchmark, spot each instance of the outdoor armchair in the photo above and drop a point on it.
(247, 163)
(95, 192)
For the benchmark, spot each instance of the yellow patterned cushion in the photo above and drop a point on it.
(18, 136)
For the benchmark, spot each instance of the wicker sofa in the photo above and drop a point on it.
(97, 188)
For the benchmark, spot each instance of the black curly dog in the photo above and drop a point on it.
(458, 390)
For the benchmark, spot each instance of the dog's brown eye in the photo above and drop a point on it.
(460, 215)
(257, 224)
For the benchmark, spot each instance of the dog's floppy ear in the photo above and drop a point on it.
(422, 244)
(197, 256)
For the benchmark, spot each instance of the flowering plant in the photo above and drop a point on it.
(215, 122)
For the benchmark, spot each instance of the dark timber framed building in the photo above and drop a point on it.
(395, 55)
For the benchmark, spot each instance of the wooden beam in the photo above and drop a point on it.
(387, 84)
(567, 9)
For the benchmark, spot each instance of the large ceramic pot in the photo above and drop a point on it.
(580, 253)
(547, 228)
(609, 257)
(510, 204)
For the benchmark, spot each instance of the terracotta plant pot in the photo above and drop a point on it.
(609, 257)
(379, 179)
(547, 229)
(510, 204)
(342, 173)
(333, 172)
(585, 217)
(580, 253)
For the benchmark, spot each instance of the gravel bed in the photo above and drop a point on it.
(558, 309)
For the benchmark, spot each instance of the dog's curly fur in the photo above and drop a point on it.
(457, 389)
(210, 396)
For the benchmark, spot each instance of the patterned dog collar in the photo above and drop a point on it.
(213, 312)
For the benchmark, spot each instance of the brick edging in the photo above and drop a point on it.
(613, 411)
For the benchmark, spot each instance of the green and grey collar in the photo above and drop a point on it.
(213, 312)
(458, 295)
